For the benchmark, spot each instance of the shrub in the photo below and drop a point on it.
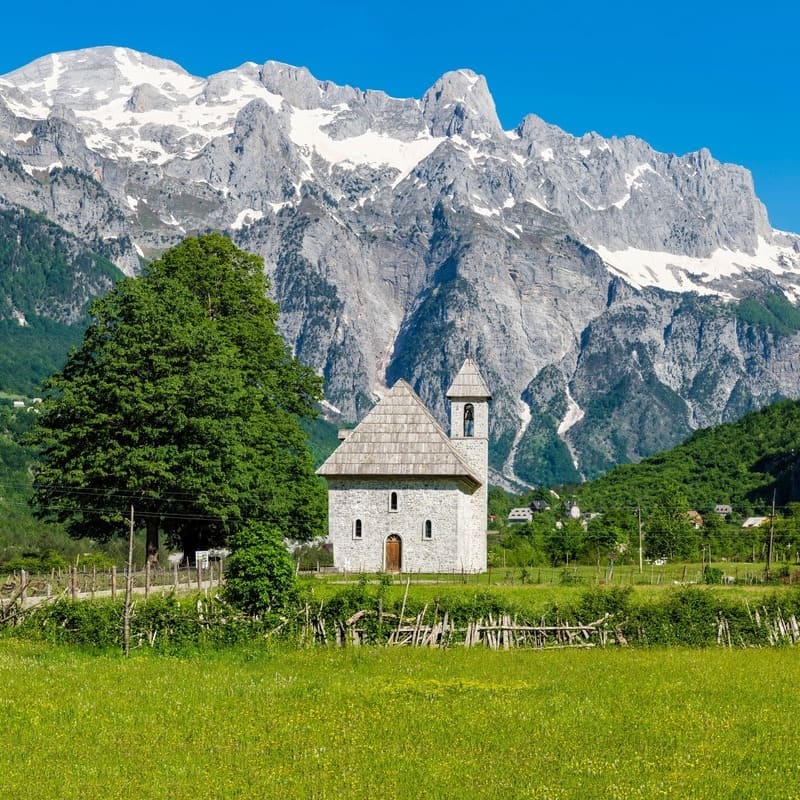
(96, 624)
(596, 602)
(712, 574)
(260, 572)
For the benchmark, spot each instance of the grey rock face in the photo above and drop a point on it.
(596, 281)
(459, 104)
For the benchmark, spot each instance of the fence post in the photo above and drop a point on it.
(94, 579)
(175, 573)
(23, 585)
(73, 583)
(147, 579)
(114, 582)
(199, 574)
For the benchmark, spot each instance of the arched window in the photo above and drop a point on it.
(393, 501)
(357, 529)
(469, 420)
(427, 530)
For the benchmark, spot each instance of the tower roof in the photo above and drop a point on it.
(469, 383)
(398, 438)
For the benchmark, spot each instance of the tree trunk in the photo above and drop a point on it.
(152, 540)
(190, 542)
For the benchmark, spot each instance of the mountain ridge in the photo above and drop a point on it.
(593, 278)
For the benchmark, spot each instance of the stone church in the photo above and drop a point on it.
(405, 497)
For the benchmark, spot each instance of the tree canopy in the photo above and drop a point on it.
(184, 402)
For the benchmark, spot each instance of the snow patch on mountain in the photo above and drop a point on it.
(32, 169)
(633, 181)
(245, 217)
(573, 415)
(371, 148)
(525, 417)
(485, 212)
(680, 273)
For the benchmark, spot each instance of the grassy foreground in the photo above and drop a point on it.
(391, 723)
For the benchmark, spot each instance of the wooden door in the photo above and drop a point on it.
(394, 553)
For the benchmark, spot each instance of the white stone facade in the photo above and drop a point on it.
(444, 503)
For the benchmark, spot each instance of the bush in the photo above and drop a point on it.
(95, 624)
(163, 624)
(712, 575)
(594, 603)
(260, 572)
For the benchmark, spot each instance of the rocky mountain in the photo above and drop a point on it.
(615, 297)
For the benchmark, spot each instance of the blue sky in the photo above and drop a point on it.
(682, 75)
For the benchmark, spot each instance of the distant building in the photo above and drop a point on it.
(520, 515)
(539, 505)
(755, 522)
(722, 509)
(573, 510)
(694, 517)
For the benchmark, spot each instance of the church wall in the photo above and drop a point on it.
(444, 502)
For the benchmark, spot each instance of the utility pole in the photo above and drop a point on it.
(771, 535)
(641, 540)
(126, 614)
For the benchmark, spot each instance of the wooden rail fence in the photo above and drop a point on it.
(497, 633)
(77, 583)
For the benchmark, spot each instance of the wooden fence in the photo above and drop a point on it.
(76, 582)
(497, 633)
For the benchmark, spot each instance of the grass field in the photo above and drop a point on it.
(393, 723)
(742, 573)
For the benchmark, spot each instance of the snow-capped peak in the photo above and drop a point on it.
(133, 105)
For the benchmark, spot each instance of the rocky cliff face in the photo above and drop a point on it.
(598, 283)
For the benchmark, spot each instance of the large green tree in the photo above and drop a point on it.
(668, 529)
(183, 402)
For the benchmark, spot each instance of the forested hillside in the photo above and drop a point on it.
(740, 464)
(47, 278)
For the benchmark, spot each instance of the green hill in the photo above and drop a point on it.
(739, 463)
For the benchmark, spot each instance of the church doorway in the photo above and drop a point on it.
(394, 553)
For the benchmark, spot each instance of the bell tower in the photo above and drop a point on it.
(469, 434)
(469, 409)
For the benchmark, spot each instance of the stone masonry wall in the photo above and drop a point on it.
(441, 501)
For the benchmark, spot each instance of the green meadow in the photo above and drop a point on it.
(267, 722)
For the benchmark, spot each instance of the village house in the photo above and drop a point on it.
(695, 518)
(520, 515)
(402, 495)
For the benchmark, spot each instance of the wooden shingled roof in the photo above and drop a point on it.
(398, 438)
(469, 383)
